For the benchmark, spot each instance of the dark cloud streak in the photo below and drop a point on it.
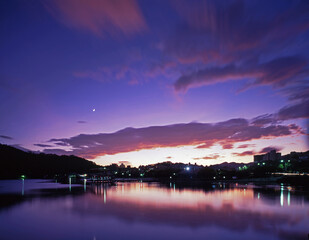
(42, 145)
(6, 137)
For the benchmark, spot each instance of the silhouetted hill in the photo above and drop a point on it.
(15, 162)
(227, 166)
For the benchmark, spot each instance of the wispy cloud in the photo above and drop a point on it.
(277, 72)
(224, 41)
(133, 71)
(209, 157)
(42, 145)
(225, 32)
(19, 146)
(252, 152)
(99, 17)
(298, 110)
(246, 145)
(82, 122)
(268, 149)
(6, 137)
(245, 153)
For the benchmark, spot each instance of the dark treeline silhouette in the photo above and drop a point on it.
(15, 162)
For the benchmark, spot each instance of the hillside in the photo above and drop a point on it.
(227, 166)
(15, 162)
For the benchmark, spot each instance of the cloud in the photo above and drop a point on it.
(100, 17)
(245, 153)
(6, 137)
(230, 31)
(61, 144)
(126, 163)
(227, 146)
(220, 41)
(277, 72)
(270, 148)
(133, 71)
(134, 139)
(42, 145)
(252, 152)
(210, 157)
(207, 144)
(299, 92)
(81, 122)
(299, 110)
(263, 120)
(246, 145)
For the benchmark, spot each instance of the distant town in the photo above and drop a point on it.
(271, 166)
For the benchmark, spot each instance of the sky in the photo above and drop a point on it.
(141, 82)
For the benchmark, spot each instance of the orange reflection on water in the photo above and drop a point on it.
(156, 196)
(152, 194)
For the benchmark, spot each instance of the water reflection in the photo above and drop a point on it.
(154, 211)
(23, 187)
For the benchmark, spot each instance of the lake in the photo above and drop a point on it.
(41, 209)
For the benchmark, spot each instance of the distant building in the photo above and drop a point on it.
(258, 158)
(270, 156)
(275, 156)
(297, 156)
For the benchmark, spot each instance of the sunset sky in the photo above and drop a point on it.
(148, 81)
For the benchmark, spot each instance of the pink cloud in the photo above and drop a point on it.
(252, 152)
(99, 16)
(206, 144)
(227, 145)
(246, 145)
(134, 139)
(245, 153)
(126, 163)
(210, 157)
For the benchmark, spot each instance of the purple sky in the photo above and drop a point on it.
(152, 81)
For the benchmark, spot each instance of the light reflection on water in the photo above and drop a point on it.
(36, 210)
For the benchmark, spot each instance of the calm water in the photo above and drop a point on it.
(37, 209)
